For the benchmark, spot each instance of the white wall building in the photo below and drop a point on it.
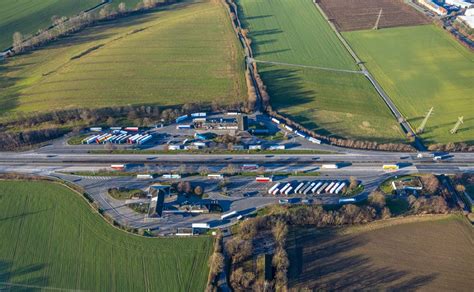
(433, 7)
(468, 20)
(469, 12)
(459, 3)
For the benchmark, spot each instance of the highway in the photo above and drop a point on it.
(366, 166)
(367, 158)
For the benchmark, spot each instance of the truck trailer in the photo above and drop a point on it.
(270, 191)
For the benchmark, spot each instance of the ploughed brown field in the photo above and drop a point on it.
(395, 255)
(362, 14)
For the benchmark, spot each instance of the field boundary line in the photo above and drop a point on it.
(387, 100)
(307, 66)
(395, 221)
(8, 284)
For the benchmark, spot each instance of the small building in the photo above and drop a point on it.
(467, 19)
(408, 185)
(238, 122)
(185, 231)
(260, 131)
(204, 136)
(459, 3)
(200, 227)
(255, 147)
(174, 147)
(432, 6)
(238, 147)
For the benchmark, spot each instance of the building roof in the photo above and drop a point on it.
(469, 12)
(460, 3)
(469, 20)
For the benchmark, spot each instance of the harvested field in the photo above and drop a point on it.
(362, 14)
(404, 254)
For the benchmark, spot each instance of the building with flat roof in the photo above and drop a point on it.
(467, 20)
(459, 3)
(237, 123)
(432, 6)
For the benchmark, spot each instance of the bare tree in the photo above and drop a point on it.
(242, 281)
(353, 183)
(105, 12)
(430, 183)
(187, 187)
(377, 199)
(110, 121)
(182, 169)
(203, 170)
(230, 170)
(198, 191)
(17, 42)
(122, 8)
(460, 188)
(280, 230)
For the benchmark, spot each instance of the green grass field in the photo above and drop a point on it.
(182, 53)
(422, 67)
(28, 16)
(332, 103)
(51, 239)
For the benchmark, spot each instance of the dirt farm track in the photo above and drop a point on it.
(362, 14)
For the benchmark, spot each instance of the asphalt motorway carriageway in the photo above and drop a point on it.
(460, 159)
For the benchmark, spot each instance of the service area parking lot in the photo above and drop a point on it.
(240, 194)
(203, 131)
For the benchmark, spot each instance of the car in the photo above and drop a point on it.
(283, 201)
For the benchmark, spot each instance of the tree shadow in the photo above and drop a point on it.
(18, 216)
(258, 17)
(286, 89)
(23, 278)
(324, 259)
(8, 94)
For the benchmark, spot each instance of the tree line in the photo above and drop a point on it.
(63, 26)
(348, 143)
(57, 123)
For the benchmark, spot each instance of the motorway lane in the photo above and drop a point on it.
(8, 157)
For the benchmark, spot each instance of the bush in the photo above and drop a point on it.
(377, 200)
(242, 281)
(430, 183)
